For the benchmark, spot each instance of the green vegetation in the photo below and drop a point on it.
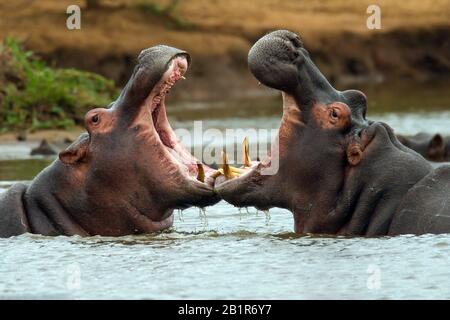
(167, 12)
(36, 96)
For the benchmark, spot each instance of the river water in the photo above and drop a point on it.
(227, 253)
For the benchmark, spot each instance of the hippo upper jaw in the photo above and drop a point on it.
(188, 180)
(280, 61)
(154, 125)
(314, 114)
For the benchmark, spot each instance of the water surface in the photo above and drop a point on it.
(228, 255)
(231, 253)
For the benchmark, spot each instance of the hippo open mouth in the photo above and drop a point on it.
(136, 150)
(126, 174)
(154, 109)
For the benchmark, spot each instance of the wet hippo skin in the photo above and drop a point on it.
(338, 172)
(124, 176)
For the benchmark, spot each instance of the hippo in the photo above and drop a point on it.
(44, 149)
(433, 147)
(125, 175)
(338, 172)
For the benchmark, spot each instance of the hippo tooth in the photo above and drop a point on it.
(201, 173)
(237, 171)
(216, 173)
(183, 77)
(227, 172)
(247, 161)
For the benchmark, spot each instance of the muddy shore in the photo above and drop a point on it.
(414, 41)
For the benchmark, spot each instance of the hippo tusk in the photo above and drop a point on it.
(201, 173)
(234, 171)
(217, 173)
(227, 172)
(247, 161)
(237, 171)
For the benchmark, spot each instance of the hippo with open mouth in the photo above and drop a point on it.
(337, 172)
(124, 176)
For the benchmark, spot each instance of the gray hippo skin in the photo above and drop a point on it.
(339, 173)
(433, 147)
(124, 176)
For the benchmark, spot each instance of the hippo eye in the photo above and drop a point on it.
(334, 114)
(95, 119)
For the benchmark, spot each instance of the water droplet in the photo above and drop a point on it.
(180, 215)
(203, 216)
(267, 214)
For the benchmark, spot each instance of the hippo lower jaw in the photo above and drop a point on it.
(254, 185)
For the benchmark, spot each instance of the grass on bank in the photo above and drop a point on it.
(35, 96)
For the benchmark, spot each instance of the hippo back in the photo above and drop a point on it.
(426, 206)
(13, 220)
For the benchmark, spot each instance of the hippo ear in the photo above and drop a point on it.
(436, 148)
(76, 152)
(354, 154)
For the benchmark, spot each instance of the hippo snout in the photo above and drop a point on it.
(274, 59)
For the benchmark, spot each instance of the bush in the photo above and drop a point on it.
(36, 96)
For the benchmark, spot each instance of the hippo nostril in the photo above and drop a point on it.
(359, 132)
(297, 42)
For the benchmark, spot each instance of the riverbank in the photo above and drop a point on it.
(413, 43)
(52, 136)
(11, 149)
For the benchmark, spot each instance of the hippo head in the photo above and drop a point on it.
(320, 147)
(433, 147)
(130, 164)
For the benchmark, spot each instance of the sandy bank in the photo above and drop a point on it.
(414, 41)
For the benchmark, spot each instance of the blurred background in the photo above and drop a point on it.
(51, 76)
